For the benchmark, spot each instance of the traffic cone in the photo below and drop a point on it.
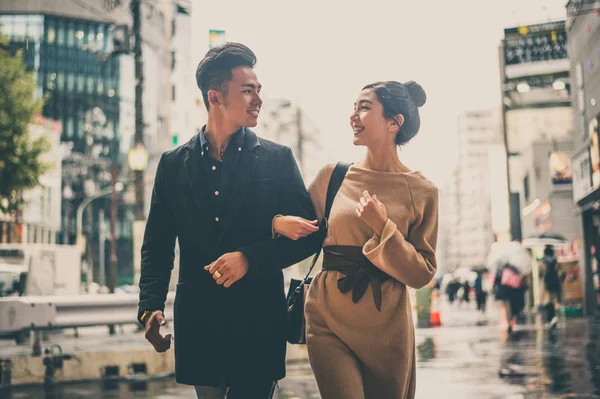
(434, 316)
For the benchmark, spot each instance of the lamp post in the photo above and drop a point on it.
(86, 202)
(139, 108)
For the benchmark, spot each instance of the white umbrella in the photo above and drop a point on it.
(463, 274)
(545, 239)
(513, 253)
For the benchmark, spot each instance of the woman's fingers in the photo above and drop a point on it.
(309, 226)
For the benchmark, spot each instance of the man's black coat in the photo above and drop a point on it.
(223, 335)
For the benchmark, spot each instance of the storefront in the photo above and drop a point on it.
(586, 194)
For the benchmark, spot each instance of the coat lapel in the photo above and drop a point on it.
(240, 181)
(196, 174)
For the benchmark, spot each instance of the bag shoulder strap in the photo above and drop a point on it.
(335, 182)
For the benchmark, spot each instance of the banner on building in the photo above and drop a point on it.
(216, 38)
(535, 50)
(561, 172)
(541, 216)
(594, 153)
(582, 177)
(572, 284)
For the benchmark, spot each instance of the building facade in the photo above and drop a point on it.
(466, 199)
(89, 85)
(583, 31)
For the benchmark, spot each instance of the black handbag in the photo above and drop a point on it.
(296, 321)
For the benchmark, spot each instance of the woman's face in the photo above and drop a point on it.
(368, 123)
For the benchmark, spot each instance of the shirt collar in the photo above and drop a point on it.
(238, 138)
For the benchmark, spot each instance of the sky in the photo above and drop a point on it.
(319, 54)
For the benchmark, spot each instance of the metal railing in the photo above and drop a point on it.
(39, 313)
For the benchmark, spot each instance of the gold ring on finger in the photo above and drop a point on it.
(217, 274)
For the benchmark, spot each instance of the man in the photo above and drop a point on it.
(218, 194)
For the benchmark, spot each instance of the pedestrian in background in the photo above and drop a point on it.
(552, 292)
(480, 292)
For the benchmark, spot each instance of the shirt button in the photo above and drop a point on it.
(239, 148)
(214, 168)
(216, 219)
(216, 193)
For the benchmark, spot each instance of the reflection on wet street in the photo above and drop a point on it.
(470, 356)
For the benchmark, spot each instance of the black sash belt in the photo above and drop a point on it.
(358, 270)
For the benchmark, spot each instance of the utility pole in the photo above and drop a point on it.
(505, 142)
(139, 109)
(300, 138)
(102, 237)
(112, 270)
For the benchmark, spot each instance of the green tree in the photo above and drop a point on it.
(20, 164)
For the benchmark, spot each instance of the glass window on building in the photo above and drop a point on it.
(6, 24)
(35, 27)
(91, 38)
(60, 32)
(70, 127)
(79, 35)
(51, 33)
(71, 34)
(19, 28)
(80, 83)
(60, 81)
(101, 38)
(90, 85)
(70, 82)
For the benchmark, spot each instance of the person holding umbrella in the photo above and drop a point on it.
(512, 262)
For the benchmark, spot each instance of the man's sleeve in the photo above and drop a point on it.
(279, 253)
(158, 248)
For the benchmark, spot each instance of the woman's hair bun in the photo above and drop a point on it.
(416, 93)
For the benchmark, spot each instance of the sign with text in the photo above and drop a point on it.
(216, 38)
(582, 177)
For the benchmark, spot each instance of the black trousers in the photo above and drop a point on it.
(252, 390)
(246, 390)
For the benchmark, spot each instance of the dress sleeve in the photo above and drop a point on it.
(410, 260)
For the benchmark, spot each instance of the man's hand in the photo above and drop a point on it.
(229, 268)
(160, 343)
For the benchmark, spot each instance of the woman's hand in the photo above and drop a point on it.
(372, 212)
(294, 227)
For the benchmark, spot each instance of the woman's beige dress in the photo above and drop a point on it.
(356, 351)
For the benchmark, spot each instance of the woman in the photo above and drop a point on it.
(382, 234)
(510, 289)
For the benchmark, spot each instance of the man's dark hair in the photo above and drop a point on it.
(214, 71)
(549, 250)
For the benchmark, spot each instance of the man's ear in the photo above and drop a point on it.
(214, 97)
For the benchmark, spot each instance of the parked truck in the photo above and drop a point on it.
(39, 269)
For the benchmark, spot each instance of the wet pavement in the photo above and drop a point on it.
(470, 356)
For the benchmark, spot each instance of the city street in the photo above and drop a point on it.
(470, 356)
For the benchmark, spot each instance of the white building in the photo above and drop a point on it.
(188, 112)
(466, 215)
(447, 253)
(41, 214)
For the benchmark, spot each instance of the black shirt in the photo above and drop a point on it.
(219, 174)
